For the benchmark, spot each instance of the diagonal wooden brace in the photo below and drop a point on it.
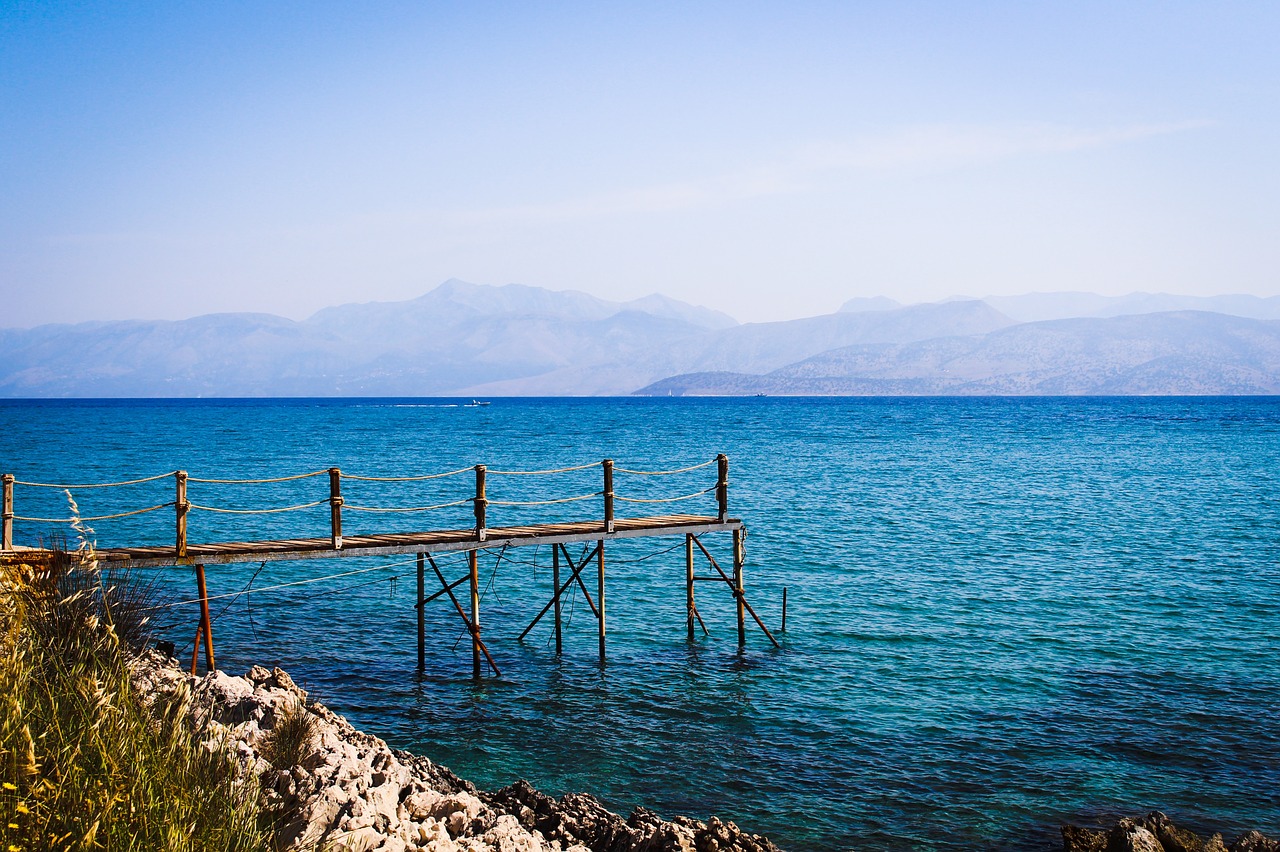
(733, 588)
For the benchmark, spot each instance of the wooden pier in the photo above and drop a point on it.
(426, 544)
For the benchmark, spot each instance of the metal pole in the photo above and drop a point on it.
(422, 614)
(784, 610)
(555, 582)
(473, 558)
(335, 510)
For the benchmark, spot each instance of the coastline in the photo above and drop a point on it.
(351, 792)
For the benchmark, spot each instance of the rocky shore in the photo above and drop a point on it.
(337, 788)
(1156, 833)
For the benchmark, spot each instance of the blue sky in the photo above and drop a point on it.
(163, 160)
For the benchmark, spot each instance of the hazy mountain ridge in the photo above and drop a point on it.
(470, 340)
(1187, 352)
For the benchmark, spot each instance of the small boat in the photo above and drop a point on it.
(475, 403)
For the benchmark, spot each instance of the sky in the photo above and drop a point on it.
(772, 160)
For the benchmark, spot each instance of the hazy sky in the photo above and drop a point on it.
(168, 159)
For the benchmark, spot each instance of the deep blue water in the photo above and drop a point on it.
(1002, 613)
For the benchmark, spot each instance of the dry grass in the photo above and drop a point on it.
(83, 763)
(291, 740)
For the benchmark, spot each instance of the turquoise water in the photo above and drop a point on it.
(1002, 614)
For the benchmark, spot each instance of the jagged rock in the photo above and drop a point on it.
(1128, 836)
(1253, 841)
(352, 792)
(1157, 833)
(1076, 839)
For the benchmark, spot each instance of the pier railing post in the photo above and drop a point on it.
(480, 503)
(608, 495)
(335, 508)
(180, 507)
(6, 513)
(722, 486)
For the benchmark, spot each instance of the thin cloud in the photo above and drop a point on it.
(914, 149)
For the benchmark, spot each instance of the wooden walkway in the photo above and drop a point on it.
(427, 543)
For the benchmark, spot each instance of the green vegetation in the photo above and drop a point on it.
(84, 763)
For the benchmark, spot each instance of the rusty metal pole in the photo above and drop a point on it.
(608, 495)
(6, 514)
(180, 506)
(335, 509)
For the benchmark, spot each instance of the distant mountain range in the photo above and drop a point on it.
(466, 340)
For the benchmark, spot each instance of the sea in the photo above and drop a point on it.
(1003, 614)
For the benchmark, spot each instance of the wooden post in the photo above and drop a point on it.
(181, 506)
(555, 582)
(473, 558)
(204, 619)
(422, 615)
(608, 495)
(722, 486)
(335, 511)
(688, 581)
(737, 584)
(481, 502)
(6, 514)
(784, 610)
(600, 595)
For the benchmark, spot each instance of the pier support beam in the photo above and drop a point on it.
(205, 630)
(600, 593)
(422, 614)
(555, 584)
(737, 585)
(473, 562)
(688, 582)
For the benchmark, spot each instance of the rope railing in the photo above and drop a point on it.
(465, 501)
(545, 472)
(291, 478)
(94, 484)
(478, 500)
(408, 478)
(257, 511)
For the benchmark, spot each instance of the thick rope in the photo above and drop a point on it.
(664, 472)
(98, 484)
(408, 508)
(98, 518)
(256, 511)
(259, 481)
(407, 478)
(543, 472)
(543, 502)
(666, 499)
